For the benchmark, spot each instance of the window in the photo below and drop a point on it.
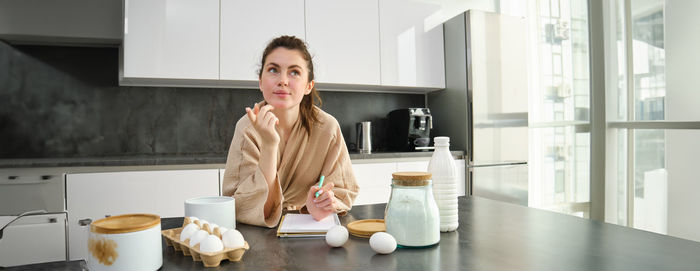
(653, 121)
(558, 113)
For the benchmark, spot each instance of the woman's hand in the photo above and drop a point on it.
(324, 205)
(264, 122)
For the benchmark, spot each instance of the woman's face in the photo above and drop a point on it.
(284, 79)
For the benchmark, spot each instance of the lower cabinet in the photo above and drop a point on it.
(374, 179)
(33, 239)
(91, 196)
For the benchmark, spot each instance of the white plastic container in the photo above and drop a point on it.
(444, 171)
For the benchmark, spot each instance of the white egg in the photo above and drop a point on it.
(188, 231)
(211, 244)
(223, 230)
(382, 243)
(193, 218)
(213, 226)
(233, 238)
(337, 236)
(202, 221)
(198, 237)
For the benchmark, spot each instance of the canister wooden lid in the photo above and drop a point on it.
(366, 227)
(124, 223)
(411, 178)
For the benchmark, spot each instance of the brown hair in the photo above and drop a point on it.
(307, 111)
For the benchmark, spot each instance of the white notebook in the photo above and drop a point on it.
(303, 225)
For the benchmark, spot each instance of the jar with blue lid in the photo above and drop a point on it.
(412, 216)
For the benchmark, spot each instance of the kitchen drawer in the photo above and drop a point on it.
(33, 239)
(374, 181)
(29, 192)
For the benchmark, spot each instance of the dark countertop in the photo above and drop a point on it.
(158, 160)
(389, 155)
(492, 235)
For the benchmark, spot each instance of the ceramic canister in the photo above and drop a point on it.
(125, 242)
(218, 210)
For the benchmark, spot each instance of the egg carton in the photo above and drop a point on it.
(210, 259)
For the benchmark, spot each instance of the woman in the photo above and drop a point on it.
(285, 143)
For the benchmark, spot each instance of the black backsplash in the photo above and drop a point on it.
(66, 102)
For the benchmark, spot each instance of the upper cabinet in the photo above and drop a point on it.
(247, 27)
(343, 38)
(412, 51)
(363, 45)
(65, 22)
(170, 39)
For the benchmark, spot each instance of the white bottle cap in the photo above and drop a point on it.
(441, 141)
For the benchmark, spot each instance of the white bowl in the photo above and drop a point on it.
(218, 210)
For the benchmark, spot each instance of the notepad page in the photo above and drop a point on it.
(306, 223)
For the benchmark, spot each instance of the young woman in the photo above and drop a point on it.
(285, 143)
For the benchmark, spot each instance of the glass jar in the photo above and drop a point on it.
(412, 216)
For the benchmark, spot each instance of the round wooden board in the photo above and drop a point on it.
(366, 227)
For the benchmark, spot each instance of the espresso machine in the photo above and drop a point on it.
(409, 129)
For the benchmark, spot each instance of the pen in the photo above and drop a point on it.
(320, 184)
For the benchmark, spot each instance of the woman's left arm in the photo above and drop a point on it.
(340, 189)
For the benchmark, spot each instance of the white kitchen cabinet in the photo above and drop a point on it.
(65, 22)
(411, 53)
(212, 43)
(170, 39)
(33, 239)
(247, 27)
(423, 166)
(462, 177)
(374, 180)
(413, 165)
(221, 181)
(91, 196)
(343, 38)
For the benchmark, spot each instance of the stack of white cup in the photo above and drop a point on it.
(444, 171)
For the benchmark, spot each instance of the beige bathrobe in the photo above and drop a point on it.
(299, 166)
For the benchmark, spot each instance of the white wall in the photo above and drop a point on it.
(682, 95)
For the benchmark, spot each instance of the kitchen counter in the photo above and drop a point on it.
(194, 161)
(492, 235)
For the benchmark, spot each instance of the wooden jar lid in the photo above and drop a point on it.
(366, 227)
(124, 223)
(411, 178)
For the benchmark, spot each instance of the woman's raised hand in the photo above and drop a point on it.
(323, 205)
(264, 122)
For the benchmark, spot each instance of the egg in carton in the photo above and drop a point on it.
(212, 254)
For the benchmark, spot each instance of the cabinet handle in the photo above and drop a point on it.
(84, 222)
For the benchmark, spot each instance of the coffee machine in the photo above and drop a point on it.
(409, 129)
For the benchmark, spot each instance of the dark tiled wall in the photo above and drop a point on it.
(66, 102)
